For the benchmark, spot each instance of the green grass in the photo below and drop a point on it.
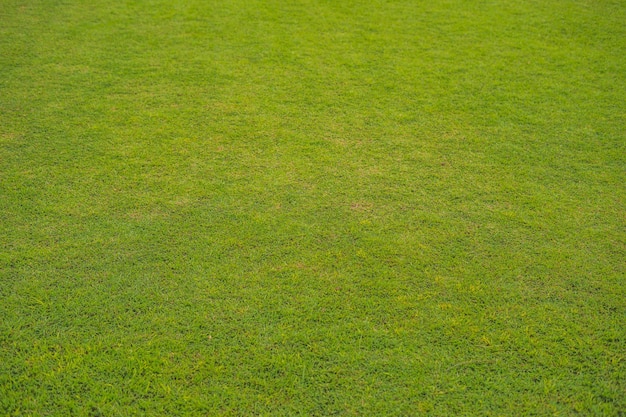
(256, 207)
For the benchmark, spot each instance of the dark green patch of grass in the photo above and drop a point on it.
(313, 208)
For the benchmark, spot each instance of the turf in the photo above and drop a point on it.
(257, 207)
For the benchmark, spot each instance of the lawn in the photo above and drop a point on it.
(313, 207)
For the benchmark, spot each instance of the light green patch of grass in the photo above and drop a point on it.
(312, 207)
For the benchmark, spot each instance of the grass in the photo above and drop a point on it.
(312, 207)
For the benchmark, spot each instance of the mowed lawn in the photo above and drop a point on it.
(313, 207)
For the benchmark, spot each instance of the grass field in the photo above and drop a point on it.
(263, 207)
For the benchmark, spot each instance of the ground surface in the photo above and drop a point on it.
(312, 207)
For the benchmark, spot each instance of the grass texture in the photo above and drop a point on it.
(263, 207)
